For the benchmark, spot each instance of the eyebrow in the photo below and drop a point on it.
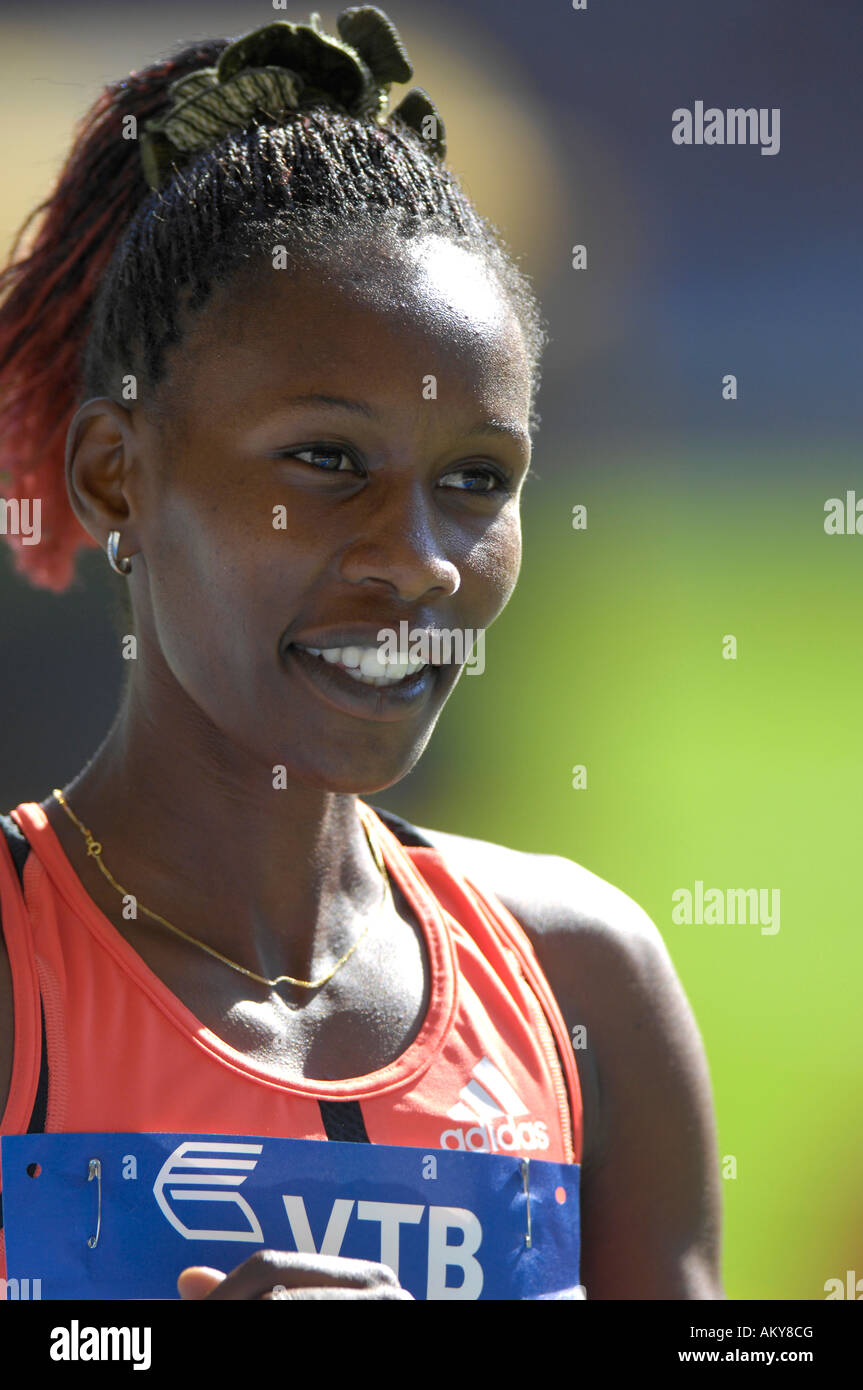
(505, 427)
(345, 402)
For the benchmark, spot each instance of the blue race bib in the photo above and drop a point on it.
(101, 1216)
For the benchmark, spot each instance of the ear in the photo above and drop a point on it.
(99, 465)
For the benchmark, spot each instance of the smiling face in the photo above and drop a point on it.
(341, 450)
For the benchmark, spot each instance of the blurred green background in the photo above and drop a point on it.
(742, 773)
(705, 518)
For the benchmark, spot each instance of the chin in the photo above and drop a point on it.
(362, 773)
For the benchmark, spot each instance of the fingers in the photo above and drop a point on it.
(198, 1280)
(295, 1273)
(384, 1292)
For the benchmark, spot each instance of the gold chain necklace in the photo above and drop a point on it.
(94, 849)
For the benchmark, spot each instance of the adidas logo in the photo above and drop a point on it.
(492, 1108)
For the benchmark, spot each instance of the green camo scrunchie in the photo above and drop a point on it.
(288, 67)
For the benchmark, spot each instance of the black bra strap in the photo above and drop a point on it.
(19, 845)
(402, 829)
(40, 1104)
(19, 848)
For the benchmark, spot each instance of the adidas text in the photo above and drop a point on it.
(497, 1138)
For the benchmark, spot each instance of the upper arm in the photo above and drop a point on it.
(650, 1185)
(651, 1200)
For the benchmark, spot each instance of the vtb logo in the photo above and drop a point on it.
(201, 1172)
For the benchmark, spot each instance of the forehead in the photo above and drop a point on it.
(384, 317)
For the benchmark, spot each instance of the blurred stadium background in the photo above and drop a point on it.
(705, 517)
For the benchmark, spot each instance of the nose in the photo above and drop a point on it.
(402, 544)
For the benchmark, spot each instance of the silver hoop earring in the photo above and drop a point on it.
(119, 566)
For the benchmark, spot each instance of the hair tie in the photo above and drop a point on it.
(284, 67)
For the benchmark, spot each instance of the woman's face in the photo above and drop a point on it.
(343, 452)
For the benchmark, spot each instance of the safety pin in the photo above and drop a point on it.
(95, 1171)
(525, 1173)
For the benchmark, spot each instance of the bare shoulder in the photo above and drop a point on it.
(603, 956)
(650, 1171)
(568, 912)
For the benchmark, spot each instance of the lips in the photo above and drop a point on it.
(331, 681)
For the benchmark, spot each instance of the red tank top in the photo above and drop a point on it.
(491, 1068)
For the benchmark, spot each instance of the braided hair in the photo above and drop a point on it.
(115, 266)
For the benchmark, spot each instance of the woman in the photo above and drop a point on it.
(295, 373)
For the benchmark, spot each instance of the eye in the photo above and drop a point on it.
(324, 457)
(477, 478)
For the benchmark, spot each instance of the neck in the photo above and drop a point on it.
(277, 877)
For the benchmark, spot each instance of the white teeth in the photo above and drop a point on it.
(371, 665)
(364, 664)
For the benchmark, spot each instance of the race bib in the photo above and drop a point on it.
(101, 1216)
